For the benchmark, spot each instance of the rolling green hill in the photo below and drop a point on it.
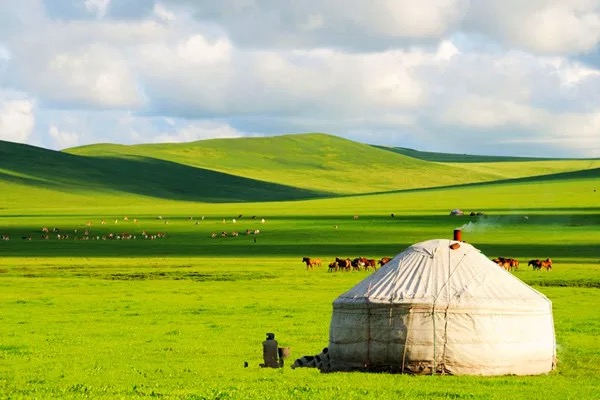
(502, 167)
(317, 162)
(32, 174)
(287, 167)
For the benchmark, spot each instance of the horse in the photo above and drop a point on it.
(333, 266)
(370, 263)
(344, 264)
(536, 264)
(503, 262)
(546, 264)
(357, 263)
(384, 260)
(311, 262)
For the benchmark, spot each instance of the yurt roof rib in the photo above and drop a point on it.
(446, 283)
(400, 282)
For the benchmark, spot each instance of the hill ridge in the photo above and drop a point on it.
(285, 167)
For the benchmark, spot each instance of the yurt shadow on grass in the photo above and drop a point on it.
(442, 307)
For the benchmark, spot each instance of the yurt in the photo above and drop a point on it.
(442, 307)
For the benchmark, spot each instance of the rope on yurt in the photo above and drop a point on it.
(434, 346)
(408, 322)
(408, 328)
(444, 286)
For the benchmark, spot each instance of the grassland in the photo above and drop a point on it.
(176, 317)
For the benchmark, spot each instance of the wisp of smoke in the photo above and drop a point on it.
(477, 226)
(483, 224)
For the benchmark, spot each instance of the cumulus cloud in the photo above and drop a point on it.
(496, 76)
(92, 74)
(543, 26)
(17, 120)
(484, 112)
(348, 24)
(97, 6)
(163, 14)
(63, 139)
(96, 75)
(198, 131)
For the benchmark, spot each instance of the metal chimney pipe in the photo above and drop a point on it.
(458, 235)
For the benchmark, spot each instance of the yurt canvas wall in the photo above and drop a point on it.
(434, 309)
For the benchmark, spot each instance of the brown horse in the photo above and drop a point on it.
(546, 264)
(506, 263)
(357, 263)
(370, 263)
(311, 262)
(333, 266)
(536, 264)
(384, 260)
(344, 264)
(541, 264)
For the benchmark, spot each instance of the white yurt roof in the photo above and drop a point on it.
(431, 273)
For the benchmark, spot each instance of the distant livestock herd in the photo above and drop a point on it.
(84, 231)
(511, 264)
(87, 234)
(366, 264)
(346, 264)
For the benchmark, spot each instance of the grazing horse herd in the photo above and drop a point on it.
(511, 264)
(346, 264)
(508, 264)
(541, 264)
(366, 264)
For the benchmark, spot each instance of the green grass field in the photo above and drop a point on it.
(177, 317)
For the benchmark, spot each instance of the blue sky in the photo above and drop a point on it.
(505, 77)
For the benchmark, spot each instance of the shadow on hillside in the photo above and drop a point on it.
(47, 169)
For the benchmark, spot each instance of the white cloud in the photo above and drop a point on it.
(569, 27)
(4, 53)
(312, 22)
(197, 50)
(354, 24)
(509, 123)
(163, 14)
(572, 74)
(197, 131)
(97, 6)
(63, 139)
(579, 132)
(484, 71)
(542, 26)
(96, 75)
(446, 50)
(406, 18)
(17, 120)
(484, 112)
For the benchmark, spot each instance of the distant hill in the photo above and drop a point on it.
(457, 158)
(317, 162)
(286, 167)
(23, 167)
